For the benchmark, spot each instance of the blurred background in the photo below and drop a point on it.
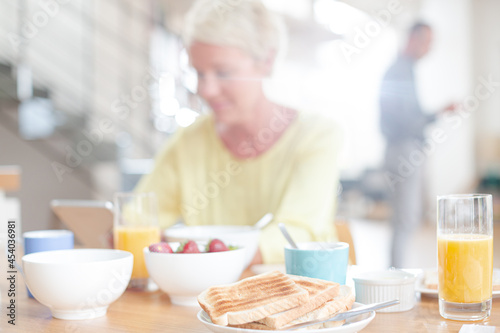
(90, 90)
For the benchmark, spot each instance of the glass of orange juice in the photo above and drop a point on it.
(465, 256)
(135, 227)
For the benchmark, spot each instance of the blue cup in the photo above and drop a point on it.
(321, 260)
(47, 240)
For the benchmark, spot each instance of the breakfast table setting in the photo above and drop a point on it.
(138, 311)
(202, 279)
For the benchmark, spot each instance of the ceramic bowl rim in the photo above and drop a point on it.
(50, 233)
(32, 257)
(387, 277)
(341, 246)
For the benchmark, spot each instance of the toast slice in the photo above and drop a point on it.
(252, 299)
(319, 291)
(342, 302)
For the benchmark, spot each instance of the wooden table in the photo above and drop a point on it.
(153, 312)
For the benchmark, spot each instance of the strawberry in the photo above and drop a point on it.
(216, 245)
(188, 247)
(161, 247)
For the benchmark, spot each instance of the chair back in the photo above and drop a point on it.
(344, 235)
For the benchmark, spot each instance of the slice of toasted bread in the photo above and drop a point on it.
(342, 302)
(319, 291)
(252, 299)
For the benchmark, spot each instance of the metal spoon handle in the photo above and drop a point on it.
(364, 309)
(287, 236)
(264, 221)
(344, 315)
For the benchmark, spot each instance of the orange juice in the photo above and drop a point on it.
(134, 239)
(465, 267)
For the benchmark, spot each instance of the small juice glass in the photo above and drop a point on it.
(465, 256)
(135, 227)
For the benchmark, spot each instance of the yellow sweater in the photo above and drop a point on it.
(197, 179)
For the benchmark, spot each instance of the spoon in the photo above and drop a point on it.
(287, 236)
(345, 315)
(264, 221)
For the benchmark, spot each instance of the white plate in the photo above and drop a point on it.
(352, 325)
(421, 288)
(265, 268)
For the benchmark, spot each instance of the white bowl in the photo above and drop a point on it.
(77, 284)
(183, 276)
(244, 236)
(380, 286)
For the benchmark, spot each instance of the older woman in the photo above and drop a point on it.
(249, 156)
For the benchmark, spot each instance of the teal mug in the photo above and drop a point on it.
(321, 260)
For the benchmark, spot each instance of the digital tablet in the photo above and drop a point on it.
(91, 221)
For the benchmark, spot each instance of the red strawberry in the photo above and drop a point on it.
(161, 247)
(188, 247)
(216, 245)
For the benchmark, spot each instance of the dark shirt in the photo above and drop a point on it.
(401, 116)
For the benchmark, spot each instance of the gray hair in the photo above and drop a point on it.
(245, 24)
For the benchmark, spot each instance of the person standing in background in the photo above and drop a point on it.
(403, 124)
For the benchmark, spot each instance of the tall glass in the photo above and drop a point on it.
(465, 256)
(135, 227)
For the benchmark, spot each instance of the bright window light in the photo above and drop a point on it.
(189, 77)
(185, 117)
(336, 15)
(299, 9)
(169, 106)
(167, 85)
(165, 124)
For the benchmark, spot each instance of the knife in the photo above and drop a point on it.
(343, 315)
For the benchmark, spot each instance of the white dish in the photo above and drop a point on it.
(421, 288)
(352, 325)
(265, 268)
(78, 283)
(380, 286)
(183, 276)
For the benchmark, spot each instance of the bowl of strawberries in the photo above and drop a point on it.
(241, 235)
(184, 269)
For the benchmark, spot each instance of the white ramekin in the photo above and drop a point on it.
(380, 286)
